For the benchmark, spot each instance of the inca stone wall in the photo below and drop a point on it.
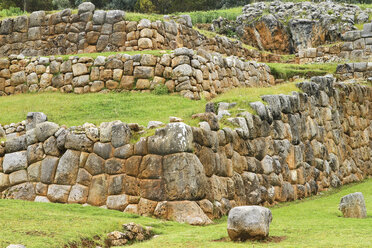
(93, 30)
(357, 46)
(294, 147)
(360, 70)
(183, 71)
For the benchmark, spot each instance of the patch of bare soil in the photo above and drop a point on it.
(270, 239)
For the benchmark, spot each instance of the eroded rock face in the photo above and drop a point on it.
(353, 206)
(248, 222)
(287, 27)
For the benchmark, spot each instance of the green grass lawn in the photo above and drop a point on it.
(314, 222)
(73, 109)
(287, 71)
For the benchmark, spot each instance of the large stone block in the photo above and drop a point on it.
(78, 142)
(247, 222)
(118, 202)
(15, 161)
(45, 129)
(182, 211)
(68, 167)
(184, 177)
(58, 193)
(78, 194)
(24, 191)
(353, 206)
(98, 191)
(175, 137)
(144, 72)
(48, 169)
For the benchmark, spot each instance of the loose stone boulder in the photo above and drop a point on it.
(353, 206)
(248, 222)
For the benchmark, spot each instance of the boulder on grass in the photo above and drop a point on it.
(353, 206)
(248, 222)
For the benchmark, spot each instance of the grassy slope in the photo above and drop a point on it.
(307, 223)
(72, 109)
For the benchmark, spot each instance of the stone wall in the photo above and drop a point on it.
(296, 146)
(93, 30)
(183, 71)
(360, 70)
(357, 46)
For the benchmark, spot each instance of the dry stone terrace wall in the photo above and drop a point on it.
(183, 71)
(360, 70)
(357, 46)
(98, 31)
(296, 146)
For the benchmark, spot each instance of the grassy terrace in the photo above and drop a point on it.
(72, 109)
(286, 71)
(313, 222)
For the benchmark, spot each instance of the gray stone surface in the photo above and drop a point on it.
(353, 206)
(175, 137)
(15, 161)
(248, 222)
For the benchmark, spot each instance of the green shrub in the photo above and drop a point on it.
(12, 11)
(160, 89)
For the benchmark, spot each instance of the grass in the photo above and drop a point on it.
(73, 109)
(135, 16)
(313, 222)
(106, 54)
(209, 16)
(287, 71)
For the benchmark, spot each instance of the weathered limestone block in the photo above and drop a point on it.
(98, 191)
(78, 194)
(15, 161)
(182, 211)
(248, 222)
(16, 144)
(58, 193)
(45, 130)
(78, 142)
(4, 181)
(353, 206)
(67, 168)
(118, 202)
(175, 137)
(33, 172)
(104, 150)
(24, 191)
(184, 177)
(18, 177)
(48, 168)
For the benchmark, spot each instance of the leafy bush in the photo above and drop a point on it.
(12, 11)
(160, 89)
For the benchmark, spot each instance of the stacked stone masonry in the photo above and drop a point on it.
(183, 72)
(93, 30)
(357, 46)
(359, 71)
(295, 146)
